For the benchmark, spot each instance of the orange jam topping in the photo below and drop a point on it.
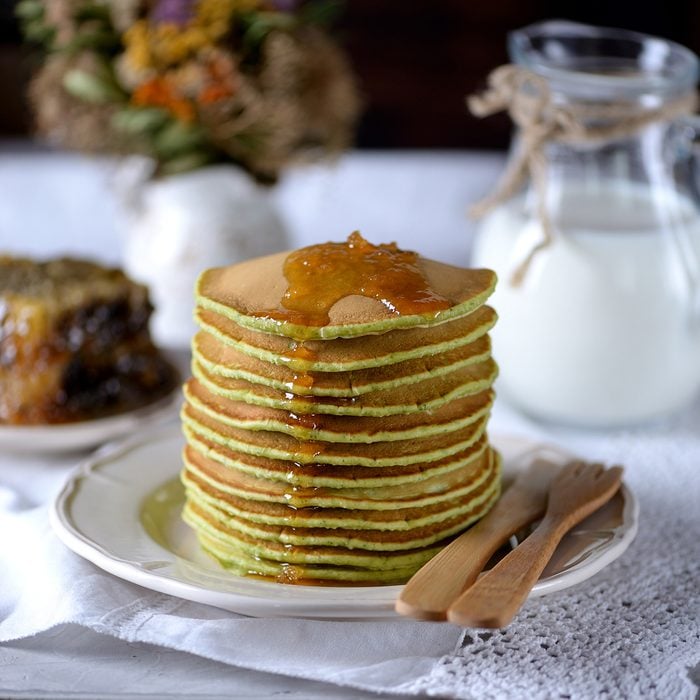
(320, 275)
(301, 380)
(299, 351)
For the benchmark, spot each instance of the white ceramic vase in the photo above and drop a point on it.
(178, 226)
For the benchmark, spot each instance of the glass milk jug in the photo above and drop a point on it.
(598, 256)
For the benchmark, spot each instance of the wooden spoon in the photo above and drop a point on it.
(433, 588)
(579, 490)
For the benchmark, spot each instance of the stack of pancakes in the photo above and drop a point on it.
(346, 452)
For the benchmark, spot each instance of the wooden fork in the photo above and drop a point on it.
(495, 598)
(433, 588)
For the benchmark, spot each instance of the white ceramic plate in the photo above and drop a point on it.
(84, 435)
(121, 510)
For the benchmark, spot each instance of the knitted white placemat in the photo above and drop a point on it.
(631, 631)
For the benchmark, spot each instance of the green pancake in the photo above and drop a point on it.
(432, 530)
(342, 555)
(427, 395)
(368, 518)
(359, 556)
(257, 484)
(349, 354)
(295, 476)
(378, 454)
(226, 361)
(447, 417)
(240, 563)
(244, 293)
(241, 492)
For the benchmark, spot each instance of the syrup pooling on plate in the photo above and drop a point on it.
(321, 275)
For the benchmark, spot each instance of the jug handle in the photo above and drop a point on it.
(687, 149)
(687, 156)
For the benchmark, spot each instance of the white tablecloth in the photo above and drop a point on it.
(631, 631)
(63, 203)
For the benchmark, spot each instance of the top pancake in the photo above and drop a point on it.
(244, 293)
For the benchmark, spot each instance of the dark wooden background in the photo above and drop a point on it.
(416, 59)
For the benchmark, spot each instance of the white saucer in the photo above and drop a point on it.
(84, 435)
(121, 510)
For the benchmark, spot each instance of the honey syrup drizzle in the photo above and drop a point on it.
(319, 276)
(302, 380)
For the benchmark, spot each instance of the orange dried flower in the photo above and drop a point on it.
(223, 80)
(159, 92)
(214, 93)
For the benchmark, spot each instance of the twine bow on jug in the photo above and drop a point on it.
(527, 97)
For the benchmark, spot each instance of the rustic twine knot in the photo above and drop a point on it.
(527, 97)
